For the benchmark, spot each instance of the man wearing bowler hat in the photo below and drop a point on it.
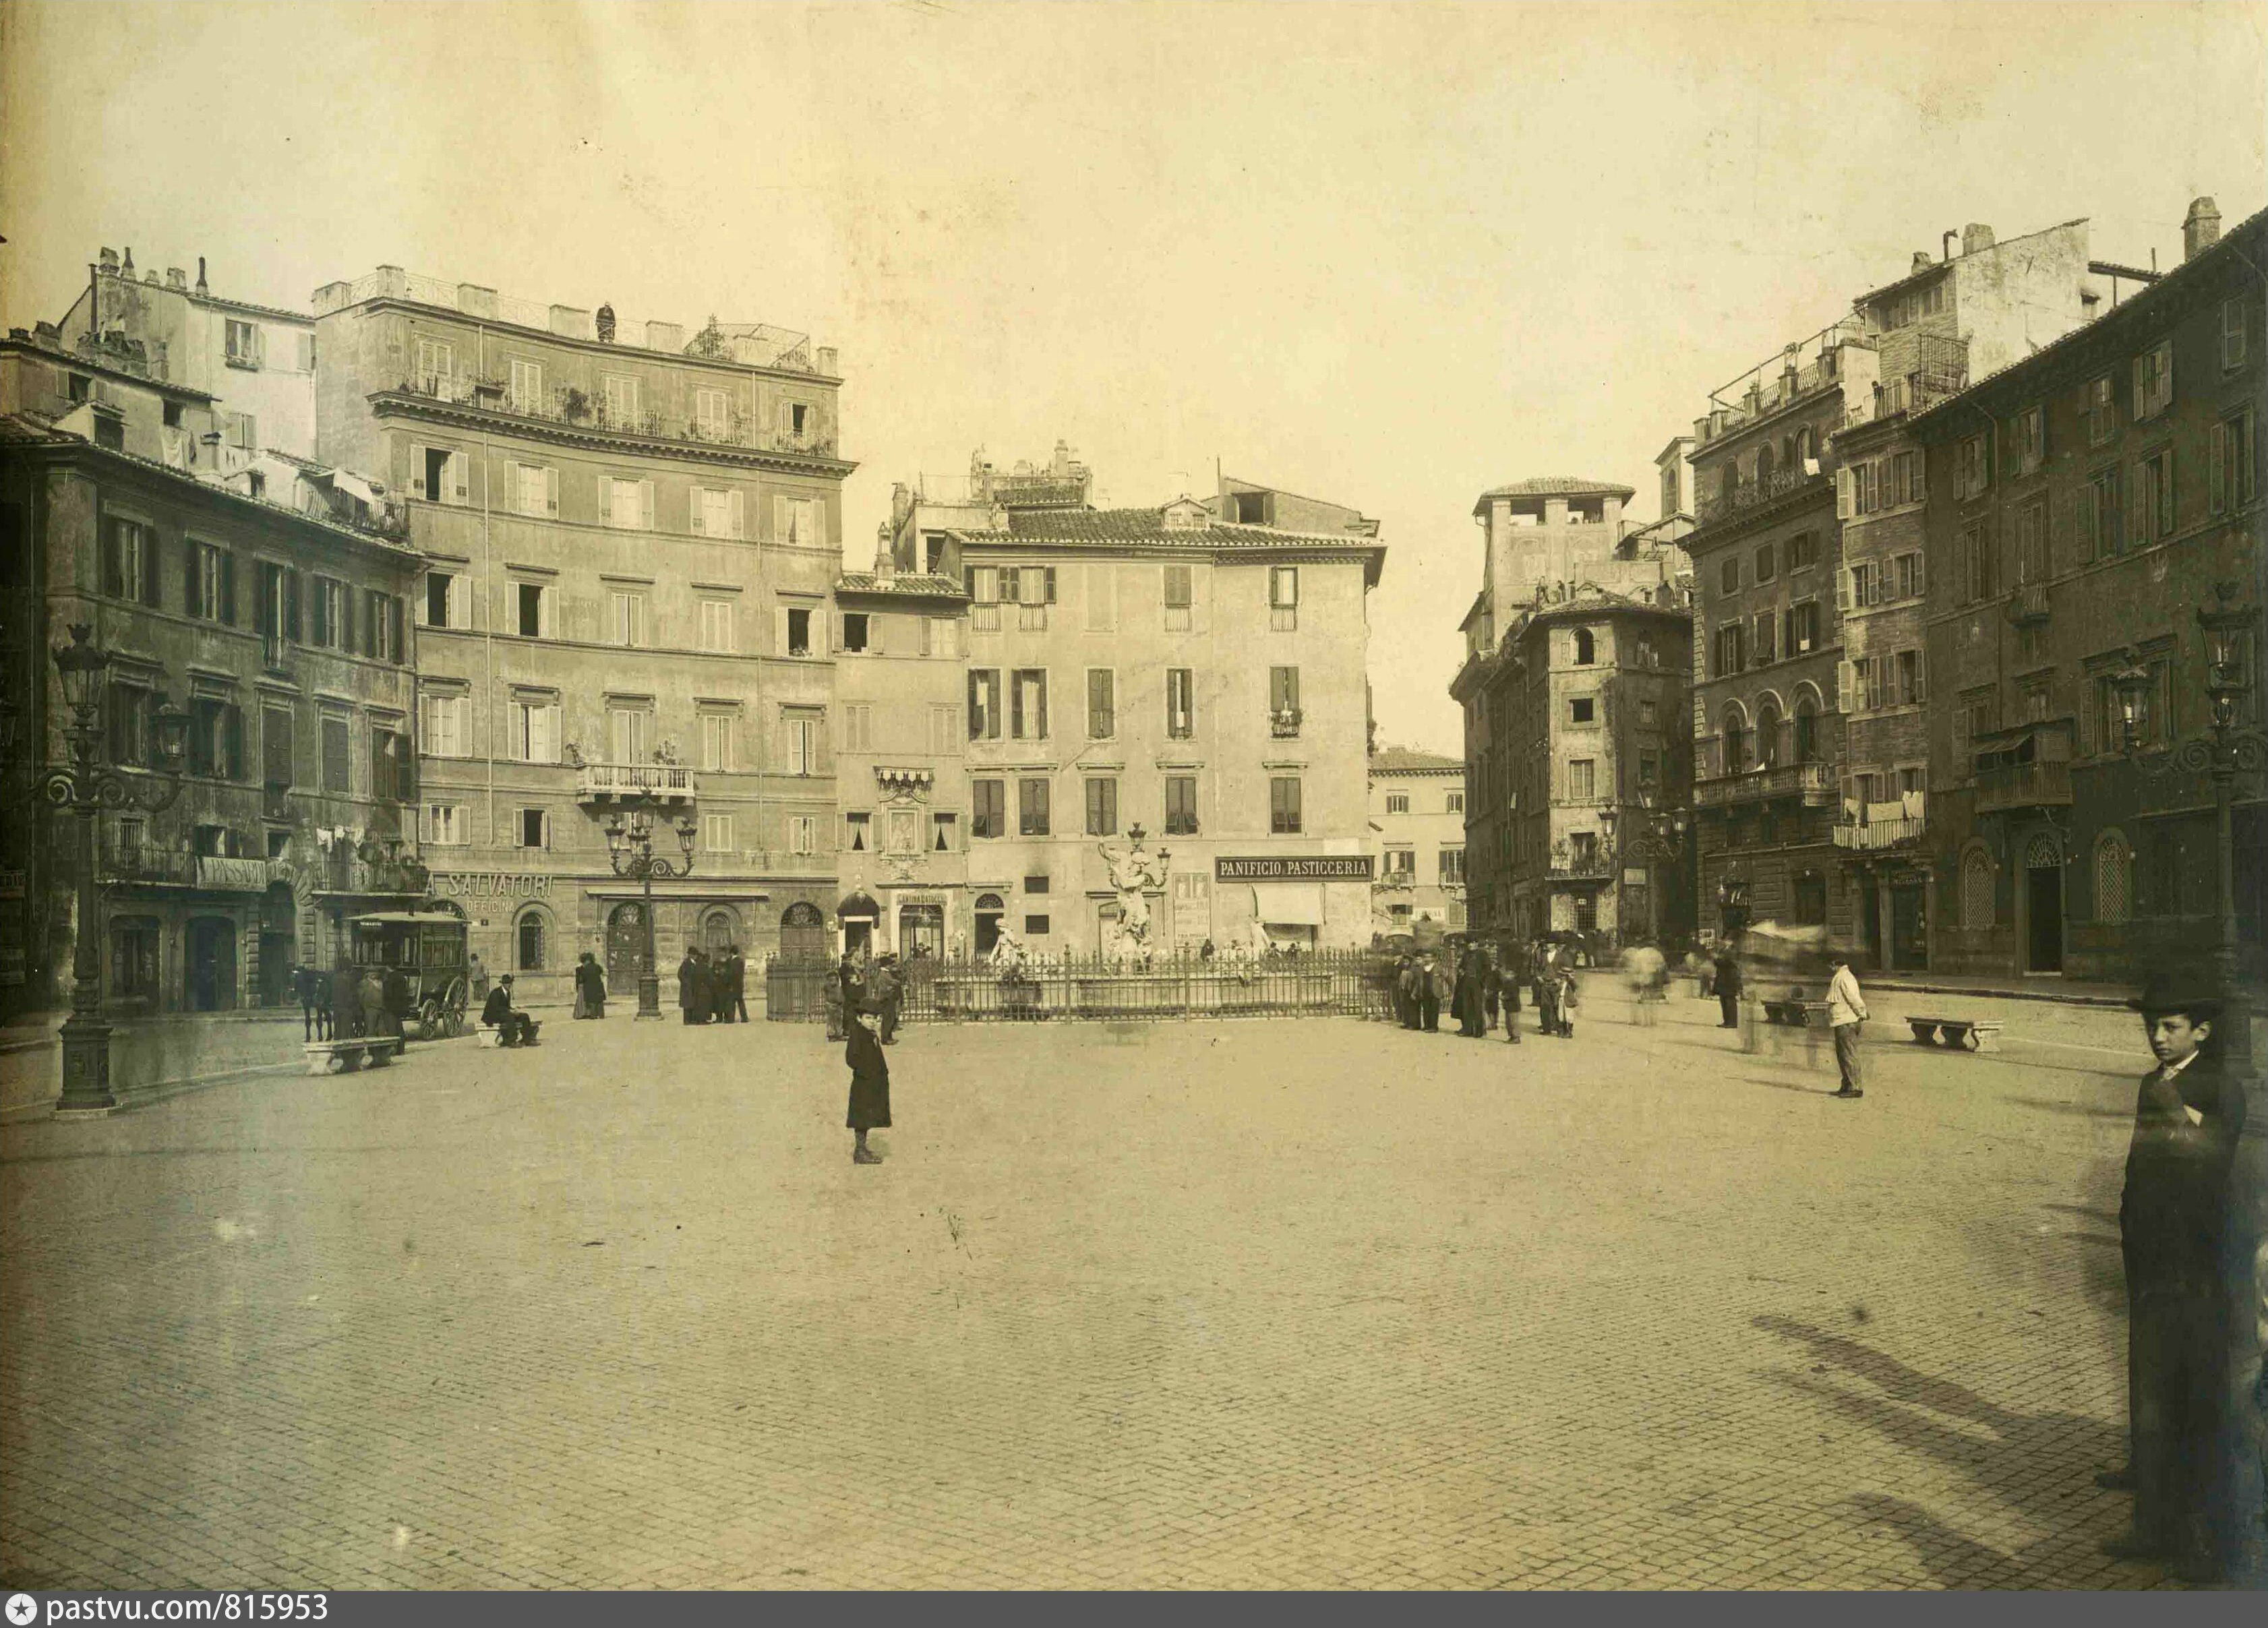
(2173, 1235)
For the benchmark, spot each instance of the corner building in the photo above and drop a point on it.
(1199, 676)
(631, 544)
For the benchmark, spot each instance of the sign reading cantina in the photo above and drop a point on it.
(1352, 867)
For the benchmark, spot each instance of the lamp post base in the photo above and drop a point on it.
(87, 1069)
(649, 997)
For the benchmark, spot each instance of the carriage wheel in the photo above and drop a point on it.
(454, 999)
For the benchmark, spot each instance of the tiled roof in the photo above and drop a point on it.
(914, 583)
(1405, 760)
(1560, 486)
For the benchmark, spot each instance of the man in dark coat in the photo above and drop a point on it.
(870, 1084)
(1508, 987)
(1406, 1003)
(1729, 988)
(888, 992)
(513, 1028)
(1432, 984)
(1472, 1021)
(1491, 989)
(736, 985)
(2174, 1236)
(346, 1004)
(720, 992)
(693, 988)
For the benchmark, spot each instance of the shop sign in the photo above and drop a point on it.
(490, 884)
(1335, 867)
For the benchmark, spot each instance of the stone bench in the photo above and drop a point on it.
(344, 1056)
(1963, 1032)
(1795, 1013)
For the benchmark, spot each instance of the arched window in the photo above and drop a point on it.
(1763, 463)
(1976, 888)
(1586, 650)
(531, 940)
(1767, 735)
(1736, 740)
(2042, 854)
(720, 929)
(1803, 446)
(2114, 877)
(1807, 730)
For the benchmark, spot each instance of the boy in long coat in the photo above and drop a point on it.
(869, 1086)
(2174, 1234)
(693, 988)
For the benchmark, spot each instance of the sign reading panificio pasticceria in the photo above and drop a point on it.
(1285, 867)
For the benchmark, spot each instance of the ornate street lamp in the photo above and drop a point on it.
(1653, 838)
(2227, 749)
(629, 847)
(87, 786)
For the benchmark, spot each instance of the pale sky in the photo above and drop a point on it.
(1386, 254)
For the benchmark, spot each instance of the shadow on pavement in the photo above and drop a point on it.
(2039, 1464)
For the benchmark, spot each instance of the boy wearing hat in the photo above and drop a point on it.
(2173, 1224)
(870, 1084)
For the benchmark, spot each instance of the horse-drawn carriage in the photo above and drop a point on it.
(428, 945)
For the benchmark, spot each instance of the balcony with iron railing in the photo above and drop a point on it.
(666, 783)
(1283, 724)
(2026, 766)
(174, 867)
(1780, 382)
(1815, 782)
(1753, 494)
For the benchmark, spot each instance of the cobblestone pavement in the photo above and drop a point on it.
(1246, 1304)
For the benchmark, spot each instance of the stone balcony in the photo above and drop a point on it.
(660, 783)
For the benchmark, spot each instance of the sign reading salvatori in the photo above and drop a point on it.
(1282, 867)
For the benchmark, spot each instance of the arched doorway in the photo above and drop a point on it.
(720, 929)
(802, 933)
(2042, 905)
(625, 946)
(989, 910)
(209, 968)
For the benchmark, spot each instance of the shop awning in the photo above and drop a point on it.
(1288, 904)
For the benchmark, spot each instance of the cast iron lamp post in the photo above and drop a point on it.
(2227, 749)
(1659, 838)
(629, 846)
(87, 786)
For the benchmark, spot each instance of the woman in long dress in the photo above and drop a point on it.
(870, 1084)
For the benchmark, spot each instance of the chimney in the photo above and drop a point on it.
(1975, 237)
(2201, 230)
(109, 262)
(202, 289)
(126, 270)
(177, 279)
(1921, 262)
(606, 325)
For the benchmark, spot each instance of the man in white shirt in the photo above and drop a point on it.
(1846, 1009)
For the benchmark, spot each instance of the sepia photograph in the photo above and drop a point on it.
(1091, 590)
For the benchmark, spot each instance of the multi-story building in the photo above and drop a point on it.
(631, 545)
(277, 620)
(1575, 691)
(1982, 308)
(902, 843)
(1196, 677)
(2083, 502)
(256, 361)
(1765, 561)
(1417, 833)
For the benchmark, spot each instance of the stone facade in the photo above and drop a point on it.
(630, 552)
(277, 625)
(2082, 504)
(1575, 690)
(1417, 831)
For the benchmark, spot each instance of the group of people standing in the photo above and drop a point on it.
(1479, 982)
(876, 987)
(713, 989)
